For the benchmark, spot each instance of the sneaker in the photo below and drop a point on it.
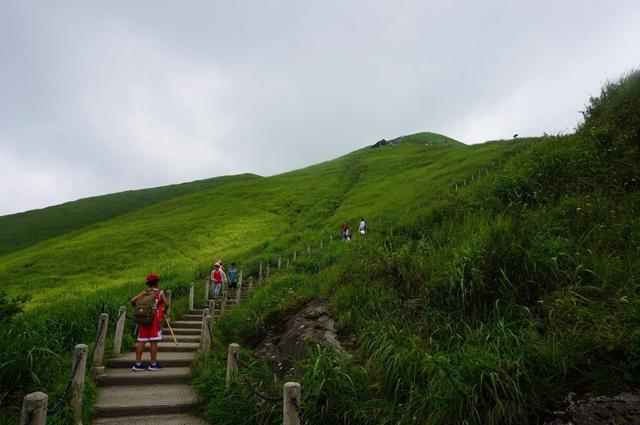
(155, 366)
(137, 367)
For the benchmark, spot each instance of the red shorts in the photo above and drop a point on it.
(152, 332)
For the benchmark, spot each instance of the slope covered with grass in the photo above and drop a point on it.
(484, 305)
(28, 228)
(495, 278)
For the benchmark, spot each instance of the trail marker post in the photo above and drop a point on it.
(206, 288)
(250, 283)
(191, 296)
(98, 353)
(232, 364)
(80, 356)
(279, 262)
(169, 298)
(117, 339)
(205, 336)
(34, 409)
(295, 255)
(291, 392)
(239, 289)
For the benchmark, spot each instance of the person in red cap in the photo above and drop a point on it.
(151, 332)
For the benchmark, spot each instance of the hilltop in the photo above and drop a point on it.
(495, 277)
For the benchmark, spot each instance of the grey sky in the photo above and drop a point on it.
(98, 97)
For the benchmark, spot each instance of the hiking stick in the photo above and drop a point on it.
(171, 330)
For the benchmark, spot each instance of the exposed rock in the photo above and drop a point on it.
(622, 409)
(313, 324)
(379, 144)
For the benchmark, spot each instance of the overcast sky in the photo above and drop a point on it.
(99, 97)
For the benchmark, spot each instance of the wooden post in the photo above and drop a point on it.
(279, 262)
(206, 288)
(321, 243)
(260, 274)
(191, 296)
(239, 289)
(291, 391)
(212, 306)
(250, 283)
(169, 296)
(80, 356)
(308, 248)
(117, 339)
(98, 353)
(295, 255)
(34, 409)
(205, 313)
(232, 363)
(205, 336)
(287, 266)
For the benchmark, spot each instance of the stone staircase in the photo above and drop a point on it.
(158, 397)
(153, 397)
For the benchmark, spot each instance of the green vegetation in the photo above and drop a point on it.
(28, 228)
(477, 305)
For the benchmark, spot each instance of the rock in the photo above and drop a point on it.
(379, 144)
(623, 409)
(312, 324)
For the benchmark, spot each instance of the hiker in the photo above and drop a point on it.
(233, 276)
(149, 306)
(217, 279)
(362, 228)
(345, 231)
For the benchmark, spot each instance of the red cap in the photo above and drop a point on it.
(151, 277)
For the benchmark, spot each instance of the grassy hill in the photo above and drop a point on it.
(495, 278)
(28, 228)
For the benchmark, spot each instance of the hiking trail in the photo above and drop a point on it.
(161, 397)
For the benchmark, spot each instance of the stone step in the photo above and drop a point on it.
(192, 324)
(166, 337)
(175, 359)
(133, 400)
(182, 331)
(192, 317)
(196, 311)
(174, 419)
(167, 375)
(169, 347)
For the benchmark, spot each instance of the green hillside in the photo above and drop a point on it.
(495, 278)
(21, 230)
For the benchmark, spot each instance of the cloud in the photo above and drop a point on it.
(107, 96)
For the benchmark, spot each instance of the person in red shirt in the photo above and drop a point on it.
(345, 231)
(151, 333)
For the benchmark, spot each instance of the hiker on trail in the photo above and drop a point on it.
(217, 279)
(362, 228)
(345, 231)
(233, 276)
(149, 306)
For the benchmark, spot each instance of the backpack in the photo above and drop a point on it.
(145, 310)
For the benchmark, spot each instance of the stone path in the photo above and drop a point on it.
(157, 397)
